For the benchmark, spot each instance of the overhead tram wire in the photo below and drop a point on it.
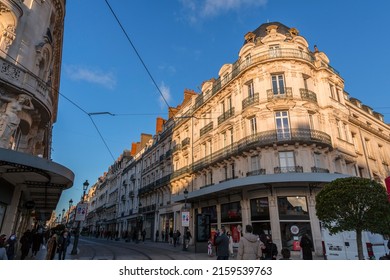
(69, 100)
(136, 52)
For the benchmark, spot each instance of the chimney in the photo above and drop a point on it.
(133, 149)
(159, 124)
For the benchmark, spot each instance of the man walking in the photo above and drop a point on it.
(250, 247)
(222, 243)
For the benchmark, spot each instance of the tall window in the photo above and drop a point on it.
(251, 90)
(332, 93)
(224, 139)
(233, 170)
(282, 125)
(368, 148)
(311, 121)
(253, 125)
(278, 84)
(355, 142)
(255, 163)
(286, 161)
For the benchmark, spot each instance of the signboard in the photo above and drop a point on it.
(185, 219)
(81, 211)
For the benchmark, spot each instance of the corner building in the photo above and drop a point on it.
(259, 142)
(31, 36)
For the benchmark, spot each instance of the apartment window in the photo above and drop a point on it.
(332, 93)
(251, 90)
(311, 121)
(253, 125)
(282, 125)
(305, 79)
(231, 136)
(274, 50)
(224, 139)
(368, 148)
(286, 161)
(233, 170)
(345, 130)
(255, 165)
(338, 94)
(381, 153)
(355, 142)
(278, 86)
(225, 169)
(339, 134)
(248, 60)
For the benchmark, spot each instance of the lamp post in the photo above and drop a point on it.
(70, 206)
(185, 227)
(77, 232)
(59, 218)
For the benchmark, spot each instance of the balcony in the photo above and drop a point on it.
(185, 142)
(206, 129)
(264, 139)
(176, 148)
(308, 95)
(256, 172)
(251, 100)
(284, 93)
(316, 169)
(226, 115)
(288, 169)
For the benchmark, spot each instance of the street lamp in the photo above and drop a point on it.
(70, 206)
(59, 218)
(77, 232)
(63, 214)
(185, 227)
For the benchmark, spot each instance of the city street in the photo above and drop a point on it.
(91, 248)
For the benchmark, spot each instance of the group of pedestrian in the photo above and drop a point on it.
(253, 247)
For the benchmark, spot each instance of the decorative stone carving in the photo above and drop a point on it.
(9, 120)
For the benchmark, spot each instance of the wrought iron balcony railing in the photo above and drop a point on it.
(250, 100)
(279, 94)
(206, 129)
(226, 115)
(288, 169)
(256, 172)
(308, 95)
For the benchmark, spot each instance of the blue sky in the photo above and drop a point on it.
(183, 43)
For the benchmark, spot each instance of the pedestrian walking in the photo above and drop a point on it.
(187, 238)
(250, 247)
(163, 236)
(143, 233)
(26, 241)
(307, 246)
(230, 244)
(62, 245)
(51, 247)
(3, 251)
(270, 251)
(10, 246)
(222, 244)
(37, 241)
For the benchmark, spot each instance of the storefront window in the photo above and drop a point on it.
(212, 211)
(231, 212)
(291, 233)
(293, 208)
(259, 209)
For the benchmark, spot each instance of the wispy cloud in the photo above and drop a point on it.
(92, 76)
(202, 9)
(166, 96)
